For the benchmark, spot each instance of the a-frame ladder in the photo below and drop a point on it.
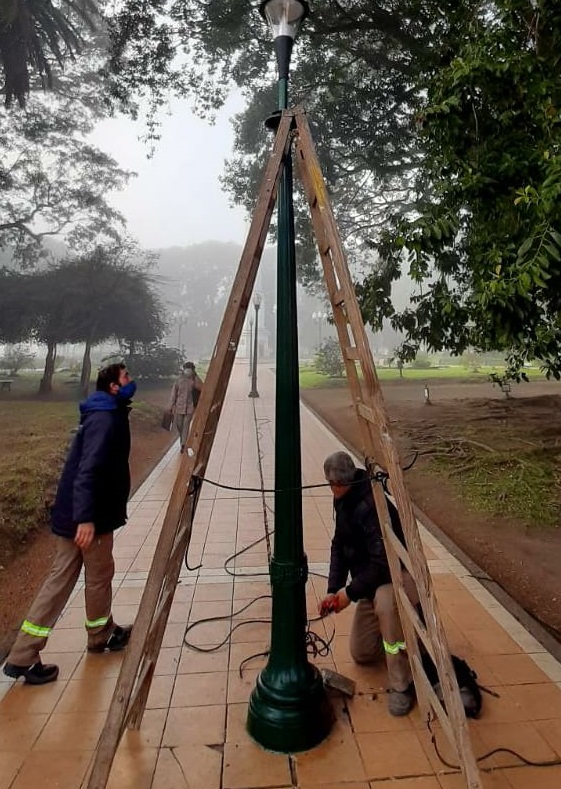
(133, 685)
(379, 450)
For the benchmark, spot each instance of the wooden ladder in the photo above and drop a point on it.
(133, 685)
(379, 450)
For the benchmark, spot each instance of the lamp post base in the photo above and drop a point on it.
(288, 722)
(253, 393)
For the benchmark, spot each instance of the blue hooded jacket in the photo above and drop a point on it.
(95, 482)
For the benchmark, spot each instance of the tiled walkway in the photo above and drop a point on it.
(193, 734)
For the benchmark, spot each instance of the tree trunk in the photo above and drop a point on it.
(46, 384)
(86, 368)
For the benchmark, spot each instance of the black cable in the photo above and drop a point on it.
(523, 759)
(379, 476)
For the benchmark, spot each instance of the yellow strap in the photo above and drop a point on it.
(395, 648)
(35, 630)
(103, 620)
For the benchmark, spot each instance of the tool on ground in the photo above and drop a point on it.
(344, 685)
(131, 692)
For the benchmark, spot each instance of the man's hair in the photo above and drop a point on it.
(339, 468)
(109, 375)
(188, 366)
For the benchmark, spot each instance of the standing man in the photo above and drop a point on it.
(183, 399)
(91, 502)
(358, 549)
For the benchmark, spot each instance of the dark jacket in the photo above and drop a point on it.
(95, 482)
(357, 546)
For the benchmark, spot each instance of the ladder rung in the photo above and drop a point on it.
(367, 413)
(352, 353)
(338, 298)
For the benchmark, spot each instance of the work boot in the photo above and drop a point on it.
(401, 702)
(37, 674)
(118, 640)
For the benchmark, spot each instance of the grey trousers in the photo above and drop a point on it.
(183, 423)
(376, 632)
(49, 604)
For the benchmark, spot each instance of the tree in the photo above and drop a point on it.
(33, 34)
(15, 358)
(359, 71)
(484, 243)
(53, 182)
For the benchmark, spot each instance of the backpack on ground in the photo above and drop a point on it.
(470, 690)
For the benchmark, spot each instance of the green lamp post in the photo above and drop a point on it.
(256, 304)
(288, 708)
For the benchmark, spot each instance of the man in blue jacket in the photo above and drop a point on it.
(91, 502)
(357, 549)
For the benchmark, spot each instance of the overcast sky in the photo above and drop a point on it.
(176, 199)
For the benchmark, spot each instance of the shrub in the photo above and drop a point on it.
(329, 360)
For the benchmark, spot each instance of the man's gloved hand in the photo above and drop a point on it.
(328, 605)
(334, 603)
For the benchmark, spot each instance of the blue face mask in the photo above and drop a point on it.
(127, 391)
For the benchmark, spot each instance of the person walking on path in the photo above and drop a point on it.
(358, 549)
(183, 399)
(91, 502)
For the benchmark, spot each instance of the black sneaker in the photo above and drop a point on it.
(118, 640)
(37, 674)
(401, 702)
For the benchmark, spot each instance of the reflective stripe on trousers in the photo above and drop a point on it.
(395, 648)
(35, 630)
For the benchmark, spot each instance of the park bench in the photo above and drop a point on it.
(5, 385)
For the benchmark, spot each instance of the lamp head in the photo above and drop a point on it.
(257, 301)
(284, 16)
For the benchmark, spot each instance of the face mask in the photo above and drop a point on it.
(127, 391)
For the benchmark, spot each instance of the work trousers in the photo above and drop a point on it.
(49, 604)
(183, 423)
(376, 632)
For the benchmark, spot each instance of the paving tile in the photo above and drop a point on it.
(213, 592)
(81, 696)
(62, 769)
(72, 731)
(193, 662)
(246, 766)
(337, 758)
(539, 777)
(32, 699)
(168, 661)
(393, 754)
(496, 780)
(195, 725)
(550, 730)
(369, 713)
(240, 688)
(537, 702)
(196, 690)
(19, 731)
(514, 669)
(133, 768)
(188, 767)
(425, 782)
(10, 763)
(149, 735)
(523, 738)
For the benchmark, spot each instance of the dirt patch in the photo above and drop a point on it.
(516, 552)
(21, 577)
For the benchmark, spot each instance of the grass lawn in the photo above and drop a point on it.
(34, 437)
(309, 378)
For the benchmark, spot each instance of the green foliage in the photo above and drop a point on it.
(155, 361)
(329, 360)
(421, 362)
(484, 242)
(15, 358)
(33, 34)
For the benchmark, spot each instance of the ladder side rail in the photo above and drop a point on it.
(308, 162)
(201, 437)
(114, 724)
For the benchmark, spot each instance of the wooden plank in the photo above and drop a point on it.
(379, 446)
(182, 503)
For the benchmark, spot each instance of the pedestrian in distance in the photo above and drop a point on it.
(183, 399)
(357, 549)
(90, 504)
